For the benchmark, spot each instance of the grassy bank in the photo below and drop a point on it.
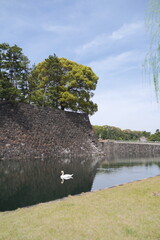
(131, 211)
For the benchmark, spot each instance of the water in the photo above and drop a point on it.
(25, 183)
(112, 174)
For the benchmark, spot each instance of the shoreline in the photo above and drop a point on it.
(122, 212)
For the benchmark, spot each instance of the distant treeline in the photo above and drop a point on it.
(155, 137)
(114, 133)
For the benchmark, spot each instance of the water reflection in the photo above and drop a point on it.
(115, 172)
(30, 182)
(25, 183)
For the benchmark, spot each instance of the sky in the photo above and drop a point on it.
(107, 35)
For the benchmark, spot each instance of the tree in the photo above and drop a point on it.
(155, 136)
(45, 82)
(78, 82)
(14, 70)
(64, 84)
(152, 60)
(110, 132)
(7, 91)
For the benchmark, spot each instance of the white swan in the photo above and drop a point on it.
(65, 176)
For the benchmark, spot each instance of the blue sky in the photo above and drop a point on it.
(107, 35)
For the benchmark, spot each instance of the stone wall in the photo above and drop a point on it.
(27, 131)
(116, 150)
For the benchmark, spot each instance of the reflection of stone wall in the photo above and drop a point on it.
(28, 131)
(24, 183)
(115, 150)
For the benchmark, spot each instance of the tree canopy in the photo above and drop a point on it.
(155, 137)
(55, 82)
(14, 70)
(114, 133)
(63, 84)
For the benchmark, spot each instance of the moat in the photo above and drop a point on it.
(25, 183)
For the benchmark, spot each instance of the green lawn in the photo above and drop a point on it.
(131, 211)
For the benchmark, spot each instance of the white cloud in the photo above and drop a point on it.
(117, 64)
(97, 41)
(58, 28)
(127, 30)
(124, 31)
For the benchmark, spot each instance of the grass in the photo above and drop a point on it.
(127, 212)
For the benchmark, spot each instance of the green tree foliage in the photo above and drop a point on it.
(155, 137)
(64, 84)
(55, 82)
(7, 91)
(45, 82)
(152, 60)
(14, 70)
(108, 132)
